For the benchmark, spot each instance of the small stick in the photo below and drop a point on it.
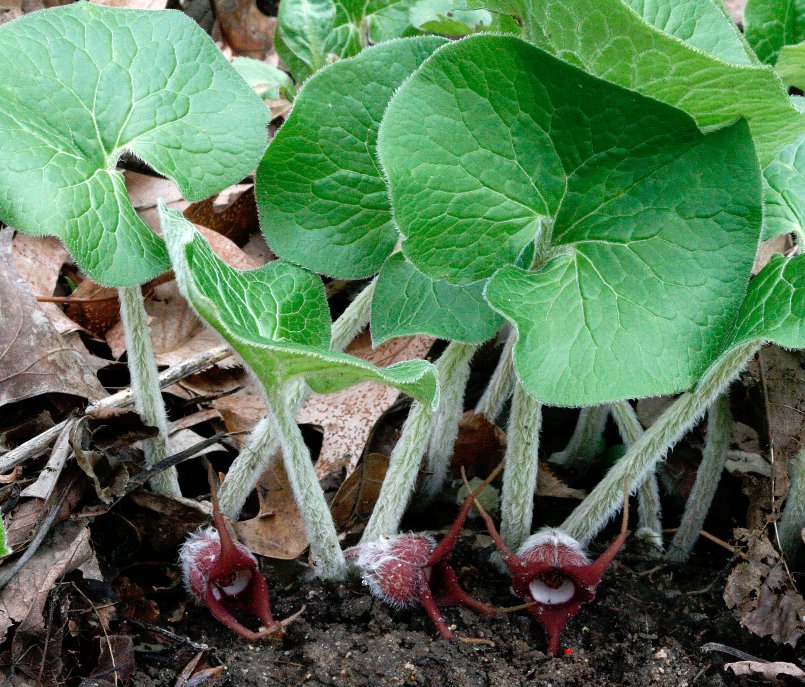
(121, 399)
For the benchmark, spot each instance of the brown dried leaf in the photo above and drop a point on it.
(358, 494)
(39, 260)
(769, 671)
(347, 417)
(480, 446)
(779, 244)
(116, 655)
(232, 213)
(23, 599)
(762, 595)
(132, 602)
(93, 307)
(277, 531)
(145, 190)
(246, 29)
(33, 358)
(549, 484)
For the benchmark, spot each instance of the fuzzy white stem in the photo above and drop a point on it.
(145, 385)
(318, 523)
(649, 509)
(453, 376)
(793, 518)
(245, 471)
(401, 477)
(714, 456)
(405, 459)
(499, 388)
(587, 520)
(520, 473)
(586, 439)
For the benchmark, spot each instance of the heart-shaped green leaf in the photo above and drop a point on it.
(774, 306)
(276, 317)
(408, 302)
(82, 85)
(309, 32)
(321, 196)
(772, 24)
(612, 41)
(650, 227)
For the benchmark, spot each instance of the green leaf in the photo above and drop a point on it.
(322, 199)
(269, 82)
(652, 223)
(408, 302)
(83, 84)
(704, 24)
(608, 39)
(448, 17)
(276, 318)
(791, 65)
(774, 306)
(785, 193)
(313, 32)
(771, 24)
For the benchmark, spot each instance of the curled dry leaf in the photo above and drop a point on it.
(245, 28)
(232, 213)
(762, 595)
(23, 599)
(34, 359)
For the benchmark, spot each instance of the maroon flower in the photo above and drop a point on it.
(553, 574)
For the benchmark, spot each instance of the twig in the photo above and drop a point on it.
(121, 399)
(178, 639)
(46, 526)
(730, 651)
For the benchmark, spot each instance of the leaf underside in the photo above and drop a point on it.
(83, 84)
(276, 318)
(654, 225)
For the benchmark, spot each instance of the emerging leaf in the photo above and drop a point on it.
(84, 84)
(276, 318)
(791, 65)
(4, 549)
(784, 194)
(647, 227)
(269, 82)
(311, 32)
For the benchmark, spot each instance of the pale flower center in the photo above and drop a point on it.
(551, 596)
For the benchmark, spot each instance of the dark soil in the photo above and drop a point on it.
(646, 627)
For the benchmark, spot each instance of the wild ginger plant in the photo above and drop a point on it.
(84, 85)
(276, 318)
(323, 205)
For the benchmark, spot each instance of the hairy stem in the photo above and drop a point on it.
(405, 459)
(520, 473)
(714, 456)
(499, 388)
(400, 480)
(318, 523)
(586, 440)
(649, 510)
(606, 499)
(145, 385)
(453, 377)
(791, 522)
(245, 471)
